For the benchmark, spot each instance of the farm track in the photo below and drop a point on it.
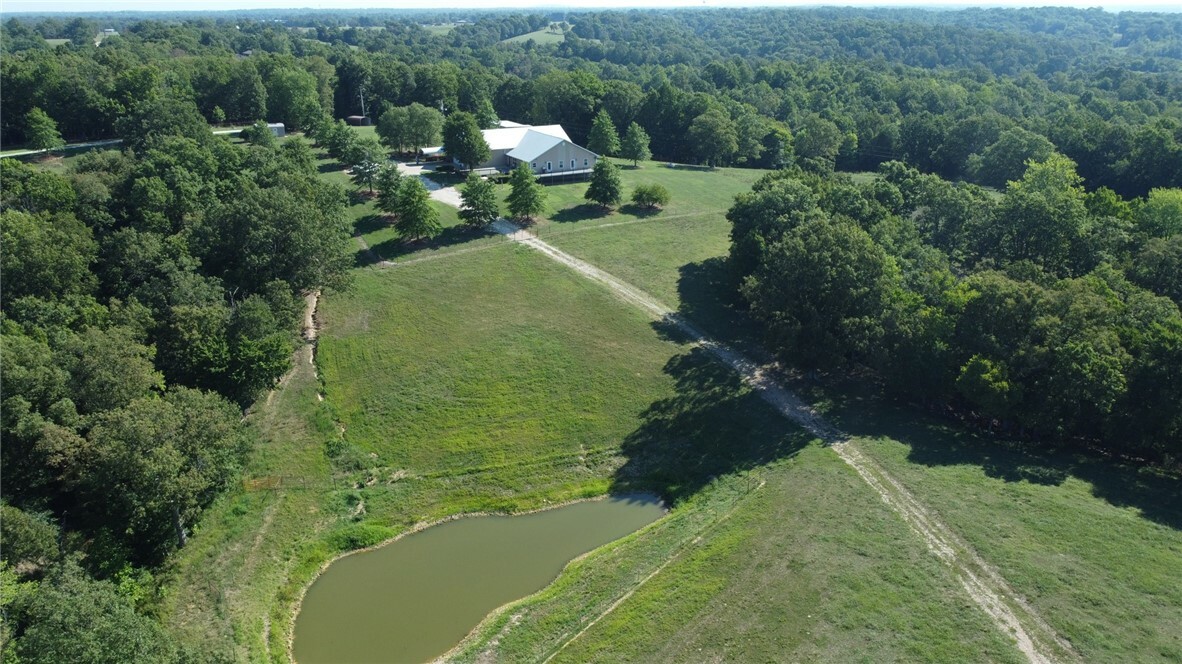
(1036, 639)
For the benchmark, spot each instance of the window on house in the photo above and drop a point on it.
(549, 165)
(560, 165)
(584, 163)
(534, 165)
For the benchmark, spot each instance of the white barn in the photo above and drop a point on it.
(547, 149)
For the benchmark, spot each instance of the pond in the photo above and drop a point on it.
(417, 597)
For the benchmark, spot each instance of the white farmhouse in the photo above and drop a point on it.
(547, 149)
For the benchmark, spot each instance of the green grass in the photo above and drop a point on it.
(1100, 572)
(53, 43)
(513, 384)
(480, 373)
(440, 29)
(695, 192)
(497, 380)
(547, 35)
(1093, 548)
(810, 567)
(230, 589)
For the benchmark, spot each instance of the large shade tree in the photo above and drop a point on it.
(714, 136)
(463, 140)
(822, 291)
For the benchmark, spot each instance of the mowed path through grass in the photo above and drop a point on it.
(1096, 549)
(516, 371)
(496, 380)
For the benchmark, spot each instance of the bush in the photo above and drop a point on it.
(359, 536)
(650, 196)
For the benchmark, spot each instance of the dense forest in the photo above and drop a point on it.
(1017, 263)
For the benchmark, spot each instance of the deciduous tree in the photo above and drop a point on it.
(481, 207)
(425, 126)
(41, 131)
(417, 220)
(463, 140)
(388, 182)
(822, 291)
(714, 137)
(259, 134)
(635, 145)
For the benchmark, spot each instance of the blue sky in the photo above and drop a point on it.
(8, 6)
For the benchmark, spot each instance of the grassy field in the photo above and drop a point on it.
(497, 380)
(795, 561)
(547, 35)
(516, 384)
(479, 374)
(1095, 546)
(440, 28)
(1092, 545)
(695, 193)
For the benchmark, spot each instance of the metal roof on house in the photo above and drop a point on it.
(511, 138)
(533, 145)
(508, 138)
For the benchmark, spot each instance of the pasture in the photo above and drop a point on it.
(495, 380)
(1091, 544)
(551, 34)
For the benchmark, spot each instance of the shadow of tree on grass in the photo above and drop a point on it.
(863, 410)
(371, 222)
(581, 212)
(858, 405)
(640, 211)
(451, 236)
(711, 426)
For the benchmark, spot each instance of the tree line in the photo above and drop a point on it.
(1049, 311)
(150, 295)
(813, 95)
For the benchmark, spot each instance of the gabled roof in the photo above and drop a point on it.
(513, 137)
(533, 145)
(507, 138)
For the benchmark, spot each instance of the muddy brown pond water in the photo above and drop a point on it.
(415, 598)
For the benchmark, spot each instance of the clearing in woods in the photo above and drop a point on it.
(497, 379)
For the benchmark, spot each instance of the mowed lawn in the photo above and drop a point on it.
(491, 358)
(543, 36)
(694, 191)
